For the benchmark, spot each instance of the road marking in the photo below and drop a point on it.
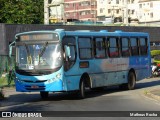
(11, 106)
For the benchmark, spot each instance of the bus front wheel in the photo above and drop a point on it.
(131, 81)
(82, 89)
(44, 94)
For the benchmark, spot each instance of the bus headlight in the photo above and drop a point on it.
(18, 80)
(58, 76)
(51, 80)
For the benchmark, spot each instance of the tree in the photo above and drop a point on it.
(21, 11)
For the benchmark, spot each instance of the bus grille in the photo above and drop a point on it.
(38, 81)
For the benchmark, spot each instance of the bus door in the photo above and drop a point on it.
(70, 66)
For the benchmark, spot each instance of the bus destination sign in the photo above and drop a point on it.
(29, 37)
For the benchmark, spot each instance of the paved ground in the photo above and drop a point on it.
(149, 88)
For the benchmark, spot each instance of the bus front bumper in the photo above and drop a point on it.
(35, 87)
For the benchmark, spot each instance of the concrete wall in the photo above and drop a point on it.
(8, 31)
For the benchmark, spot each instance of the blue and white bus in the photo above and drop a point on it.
(62, 61)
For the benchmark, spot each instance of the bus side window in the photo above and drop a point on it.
(71, 43)
(100, 48)
(85, 47)
(113, 47)
(134, 46)
(125, 47)
(143, 46)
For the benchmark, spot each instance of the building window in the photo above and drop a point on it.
(117, 11)
(117, 1)
(109, 10)
(67, 5)
(140, 5)
(132, 12)
(132, 1)
(151, 15)
(151, 4)
(101, 10)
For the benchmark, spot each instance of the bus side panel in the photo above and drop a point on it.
(72, 82)
(141, 66)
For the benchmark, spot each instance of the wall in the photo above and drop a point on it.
(8, 31)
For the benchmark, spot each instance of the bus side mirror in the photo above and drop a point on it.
(10, 48)
(67, 52)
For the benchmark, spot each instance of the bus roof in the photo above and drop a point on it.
(104, 33)
(88, 33)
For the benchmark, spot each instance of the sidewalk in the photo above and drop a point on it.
(153, 94)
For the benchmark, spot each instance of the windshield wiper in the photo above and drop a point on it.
(29, 57)
(44, 48)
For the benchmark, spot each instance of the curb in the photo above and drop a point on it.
(152, 96)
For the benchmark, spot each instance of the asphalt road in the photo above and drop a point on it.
(110, 99)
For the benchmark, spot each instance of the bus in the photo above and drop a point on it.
(63, 61)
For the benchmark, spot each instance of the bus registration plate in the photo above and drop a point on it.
(34, 86)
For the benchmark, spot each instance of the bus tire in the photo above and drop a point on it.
(131, 81)
(44, 94)
(82, 89)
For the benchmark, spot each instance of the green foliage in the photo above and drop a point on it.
(156, 55)
(21, 11)
(155, 52)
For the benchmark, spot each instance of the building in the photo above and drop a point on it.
(107, 11)
(83, 10)
(149, 11)
(56, 10)
(116, 9)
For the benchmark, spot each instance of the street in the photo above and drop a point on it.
(109, 99)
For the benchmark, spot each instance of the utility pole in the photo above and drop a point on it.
(46, 12)
(126, 12)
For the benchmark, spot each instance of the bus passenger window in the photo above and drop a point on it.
(125, 47)
(143, 46)
(134, 46)
(99, 48)
(113, 47)
(85, 48)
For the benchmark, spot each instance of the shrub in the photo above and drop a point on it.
(1, 93)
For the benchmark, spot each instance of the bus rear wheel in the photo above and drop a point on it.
(131, 81)
(44, 94)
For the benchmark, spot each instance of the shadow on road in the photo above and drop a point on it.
(15, 99)
(148, 83)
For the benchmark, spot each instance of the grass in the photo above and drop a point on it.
(4, 82)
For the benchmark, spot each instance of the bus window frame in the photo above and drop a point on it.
(137, 46)
(146, 45)
(121, 47)
(117, 44)
(103, 47)
(91, 48)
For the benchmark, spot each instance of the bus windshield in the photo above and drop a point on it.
(38, 56)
